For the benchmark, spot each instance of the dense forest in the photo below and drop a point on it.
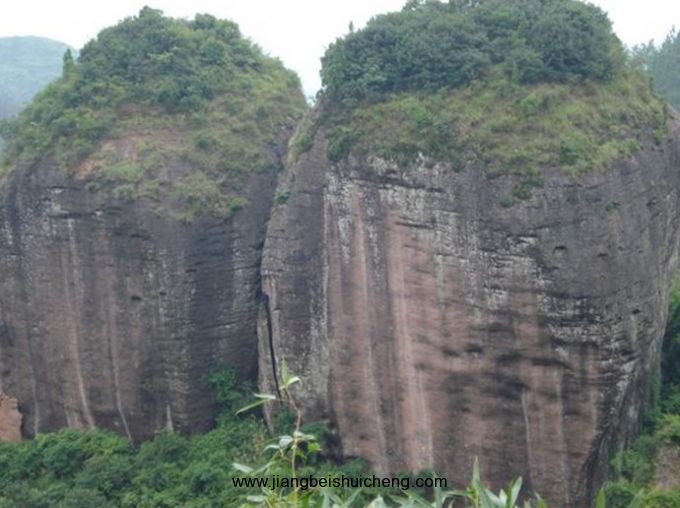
(518, 85)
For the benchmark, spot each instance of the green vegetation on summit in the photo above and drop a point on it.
(154, 89)
(429, 45)
(514, 85)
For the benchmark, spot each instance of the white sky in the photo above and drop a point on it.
(297, 31)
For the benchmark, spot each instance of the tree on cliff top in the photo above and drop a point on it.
(147, 62)
(430, 45)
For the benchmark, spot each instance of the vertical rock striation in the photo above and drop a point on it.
(134, 195)
(431, 325)
(113, 313)
(10, 419)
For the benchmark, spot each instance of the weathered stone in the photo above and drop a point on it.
(667, 468)
(113, 313)
(10, 419)
(431, 325)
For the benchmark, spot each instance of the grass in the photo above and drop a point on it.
(205, 110)
(508, 128)
(221, 146)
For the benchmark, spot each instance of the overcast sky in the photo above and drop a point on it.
(297, 31)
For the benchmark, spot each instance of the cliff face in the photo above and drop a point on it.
(113, 313)
(432, 325)
(10, 419)
(134, 195)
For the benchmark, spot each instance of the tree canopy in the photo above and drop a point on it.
(430, 44)
(154, 92)
(165, 61)
(146, 61)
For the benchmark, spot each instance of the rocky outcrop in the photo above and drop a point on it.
(114, 312)
(667, 468)
(432, 325)
(10, 419)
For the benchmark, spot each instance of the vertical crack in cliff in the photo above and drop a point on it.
(524, 397)
(270, 341)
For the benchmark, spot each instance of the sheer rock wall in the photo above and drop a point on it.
(432, 325)
(113, 313)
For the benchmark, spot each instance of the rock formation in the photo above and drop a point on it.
(667, 470)
(432, 325)
(463, 258)
(10, 419)
(113, 315)
(129, 274)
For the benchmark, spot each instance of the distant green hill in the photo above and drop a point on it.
(26, 65)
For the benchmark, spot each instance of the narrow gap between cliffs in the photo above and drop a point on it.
(270, 340)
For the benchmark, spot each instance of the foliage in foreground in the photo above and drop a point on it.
(76, 469)
(291, 453)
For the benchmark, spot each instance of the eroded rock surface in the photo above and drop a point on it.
(431, 325)
(667, 468)
(113, 313)
(10, 419)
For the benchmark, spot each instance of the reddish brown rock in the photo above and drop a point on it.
(431, 325)
(114, 311)
(10, 419)
(667, 468)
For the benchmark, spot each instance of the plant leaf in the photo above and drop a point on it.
(285, 441)
(378, 502)
(636, 502)
(242, 467)
(513, 492)
(263, 397)
(287, 378)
